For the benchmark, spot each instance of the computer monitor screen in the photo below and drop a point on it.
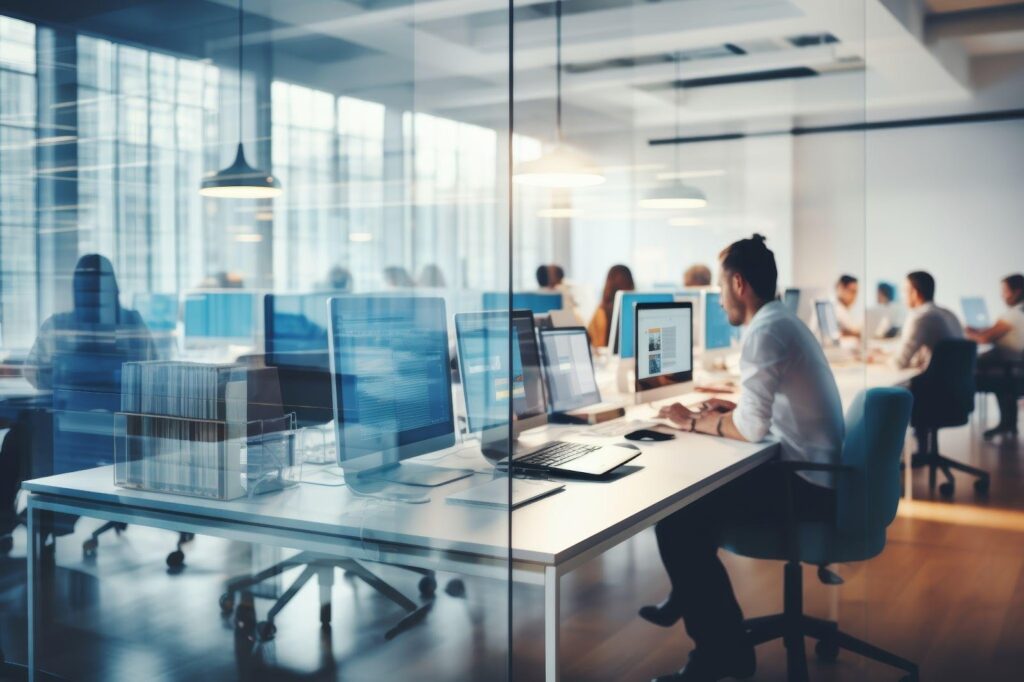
(975, 312)
(568, 369)
(664, 339)
(626, 317)
(391, 379)
(828, 323)
(158, 311)
(537, 302)
(791, 299)
(295, 329)
(220, 315)
(718, 333)
(490, 377)
(296, 340)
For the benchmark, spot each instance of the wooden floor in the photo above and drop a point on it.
(948, 592)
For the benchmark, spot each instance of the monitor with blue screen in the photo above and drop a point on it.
(718, 332)
(490, 379)
(220, 315)
(537, 302)
(296, 343)
(791, 299)
(392, 386)
(626, 317)
(158, 311)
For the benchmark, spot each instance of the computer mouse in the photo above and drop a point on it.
(647, 435)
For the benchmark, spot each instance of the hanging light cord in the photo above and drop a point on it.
(240, 34)
(678, 88)
(558, 69)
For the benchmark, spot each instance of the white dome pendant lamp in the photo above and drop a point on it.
(563, 166)
(240, 180)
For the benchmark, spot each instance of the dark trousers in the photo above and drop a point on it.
(995, 375)
(689, 541)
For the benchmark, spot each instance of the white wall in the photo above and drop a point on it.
(947, 199)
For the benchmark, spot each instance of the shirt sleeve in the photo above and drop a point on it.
(762, 365)
(910, 343)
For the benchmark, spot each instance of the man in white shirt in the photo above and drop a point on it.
(996, 366)
(926, 325)
(851, 322)
(885, 319)
(788, 392)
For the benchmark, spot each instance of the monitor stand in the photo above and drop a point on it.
(420, 475)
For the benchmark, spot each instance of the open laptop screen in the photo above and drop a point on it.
(568, 369)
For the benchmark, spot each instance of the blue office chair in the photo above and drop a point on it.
(944, 397)
(868, 492)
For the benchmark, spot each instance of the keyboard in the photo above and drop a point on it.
(556, 453)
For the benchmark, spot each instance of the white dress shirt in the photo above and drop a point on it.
(851, 320)
(788, 390)
(926, 326)
(1012, 342)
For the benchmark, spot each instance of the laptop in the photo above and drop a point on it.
(499, 373)
(828, 323)
(975, 312)
(573, 395)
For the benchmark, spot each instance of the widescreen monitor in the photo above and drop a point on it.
(537, 302)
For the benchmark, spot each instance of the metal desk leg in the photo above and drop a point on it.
(551, 618)
(33, 555)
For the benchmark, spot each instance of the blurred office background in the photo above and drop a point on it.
(870, 137)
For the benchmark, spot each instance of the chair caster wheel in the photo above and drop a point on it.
(176, 559)
(89, 548)
(6, 544)
(428, 586)
(946, 490)
(265, 630)
(227, 603)
(120, 527)
(826, 650)
(981, 486)
(455, 588)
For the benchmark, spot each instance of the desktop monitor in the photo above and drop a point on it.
(391, 383)
(664, 343)
(296, 344)
(623, 317)
(828, 323)
(158, 311)
(975, 312)
(719, 334)
(791, 299)
(537, 302)
(568, 369)
(218, 315)
(491, 377)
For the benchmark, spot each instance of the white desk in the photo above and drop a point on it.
(550, 537)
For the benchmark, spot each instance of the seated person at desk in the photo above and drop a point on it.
(788, 391)
(619, 279)
(78, 355)
(847, 314)
(926, 325)
(886, 318)
(995, 366)
(697, 275)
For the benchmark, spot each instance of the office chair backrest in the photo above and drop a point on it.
(876, 426)
(944, 393)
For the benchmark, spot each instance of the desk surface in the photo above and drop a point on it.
(549, 531)
(665, 477)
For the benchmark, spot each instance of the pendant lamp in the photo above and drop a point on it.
(240, 180)
(675, 194)
(563, 166)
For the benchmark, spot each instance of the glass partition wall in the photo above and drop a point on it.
(247, 251)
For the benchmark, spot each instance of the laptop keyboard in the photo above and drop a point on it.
(556, 453)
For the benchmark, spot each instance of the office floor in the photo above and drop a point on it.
(947, 592)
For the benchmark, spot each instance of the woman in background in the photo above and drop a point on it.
(619, 279)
